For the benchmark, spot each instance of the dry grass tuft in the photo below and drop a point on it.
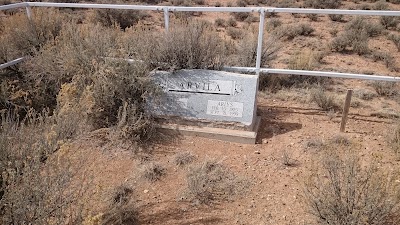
(121, 195)
(288, 160)
(340, 191)
(246, 51)
(119, 216)
(364, 94)
(325, 101)
(211, 181)
(386, 114)
(184, 158)
(289, 32)
(153, 172)
(383, 88)
(314, 143)
(340, 140)
(304, 60)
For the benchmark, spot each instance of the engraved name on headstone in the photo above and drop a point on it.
(207, 95)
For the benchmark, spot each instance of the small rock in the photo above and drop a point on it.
(257, 152)
(146, 191)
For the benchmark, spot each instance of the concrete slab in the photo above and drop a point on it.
(237, 136)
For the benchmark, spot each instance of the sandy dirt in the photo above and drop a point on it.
(275, 192)
(289, 122)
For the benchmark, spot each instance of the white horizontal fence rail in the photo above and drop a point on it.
(312, 73)
(14, 6)
(13, 62)
(204, 9)
(260, 10)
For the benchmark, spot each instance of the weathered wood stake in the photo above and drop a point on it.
(346, 110)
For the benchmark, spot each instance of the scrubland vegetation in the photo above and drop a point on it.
(75, 81)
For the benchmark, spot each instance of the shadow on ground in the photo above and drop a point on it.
(272, 122)
(180, 213)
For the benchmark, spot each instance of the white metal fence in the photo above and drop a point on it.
(261, 10)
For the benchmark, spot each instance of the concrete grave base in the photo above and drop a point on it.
(238, 136)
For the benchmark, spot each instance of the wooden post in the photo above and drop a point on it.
(346, 110)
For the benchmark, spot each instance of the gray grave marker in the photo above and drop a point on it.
(207, 97)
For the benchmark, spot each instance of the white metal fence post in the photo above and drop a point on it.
(166, 19)
(260, 40)
(28, 12)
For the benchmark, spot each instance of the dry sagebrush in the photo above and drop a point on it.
(106, 91)
(190, 44)
(342, 192)
(35, 182)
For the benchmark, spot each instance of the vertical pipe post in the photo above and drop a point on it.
(28, 12)
(260, 40)
(166, 18)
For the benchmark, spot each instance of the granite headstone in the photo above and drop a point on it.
(208, 96)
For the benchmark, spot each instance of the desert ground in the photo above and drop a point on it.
(175, 179)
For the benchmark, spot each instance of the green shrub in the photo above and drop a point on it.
(340, 191)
